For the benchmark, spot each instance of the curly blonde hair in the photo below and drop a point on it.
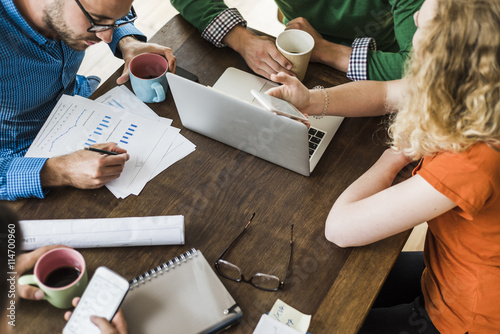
(453, 80)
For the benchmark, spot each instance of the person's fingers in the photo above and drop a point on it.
(265, 70)
(30, 292)
(172, 60)
(124, 77)
(110, 147)
(115, 160)
(275, 91)
(111, 173)
(104, 326)
(75, 301)
(119, 322)
(68, 314)
(283, 78)
(279, 63)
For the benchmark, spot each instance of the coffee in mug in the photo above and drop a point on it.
(61, 274)
(148, 77)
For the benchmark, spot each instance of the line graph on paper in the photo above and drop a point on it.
(69, 127)
(67, 131)
(64, 124)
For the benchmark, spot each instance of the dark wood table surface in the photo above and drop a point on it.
(217, 188)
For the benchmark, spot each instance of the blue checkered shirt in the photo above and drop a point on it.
(34, 73)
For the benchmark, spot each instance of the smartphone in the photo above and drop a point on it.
(186, 74)
(278, 106)
(102, 297)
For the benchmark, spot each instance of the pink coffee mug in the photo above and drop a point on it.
(64, 266)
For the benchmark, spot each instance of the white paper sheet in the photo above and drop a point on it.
(268, 325)
(179, 149)
(173, 148)
(103, 232)
(121, 97)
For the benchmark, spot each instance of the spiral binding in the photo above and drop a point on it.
(162, 268)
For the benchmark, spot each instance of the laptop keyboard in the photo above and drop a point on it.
(315, 137)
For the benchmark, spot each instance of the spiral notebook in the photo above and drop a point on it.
(182, 295)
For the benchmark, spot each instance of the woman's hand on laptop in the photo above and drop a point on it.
(309, 102)
(292, 90)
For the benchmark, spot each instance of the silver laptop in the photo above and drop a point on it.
(227, 112)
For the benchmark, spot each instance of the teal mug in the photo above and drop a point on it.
(148, 77)
(61, 274)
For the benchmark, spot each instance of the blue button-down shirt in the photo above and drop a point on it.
(35, 72)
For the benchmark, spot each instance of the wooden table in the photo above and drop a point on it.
(217, 188)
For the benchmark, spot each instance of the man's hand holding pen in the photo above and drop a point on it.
(85, 169)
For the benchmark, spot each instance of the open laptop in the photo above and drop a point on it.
(227, 112)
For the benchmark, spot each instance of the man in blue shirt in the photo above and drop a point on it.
(42, 47)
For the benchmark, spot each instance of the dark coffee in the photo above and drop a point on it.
(61, 277)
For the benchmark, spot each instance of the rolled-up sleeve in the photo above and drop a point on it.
(221, 25)
(358, 61)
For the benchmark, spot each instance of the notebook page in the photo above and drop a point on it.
(189, 298)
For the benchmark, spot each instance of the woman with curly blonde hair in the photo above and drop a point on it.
(448, 117)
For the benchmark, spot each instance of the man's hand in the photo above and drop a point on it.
(131, 47)
(84, 169)
(118, 324)
(259, 52)
(325, 52)
(27, 262)
(301, 23)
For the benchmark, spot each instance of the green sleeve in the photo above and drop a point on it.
(390, 66)
(384, 66)
(199, 13)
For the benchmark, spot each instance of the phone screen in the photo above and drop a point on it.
(278, 106)
(102, 297)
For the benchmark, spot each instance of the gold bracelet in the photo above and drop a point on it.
(325, 107)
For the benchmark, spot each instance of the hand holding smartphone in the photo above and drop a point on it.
(103, 296)
(278, 106)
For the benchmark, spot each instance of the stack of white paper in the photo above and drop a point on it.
(120, 117)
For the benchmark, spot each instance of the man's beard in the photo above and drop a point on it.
(53, 18)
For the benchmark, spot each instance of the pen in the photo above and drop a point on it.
(100, 151)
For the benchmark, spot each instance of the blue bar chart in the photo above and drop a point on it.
(96, 135)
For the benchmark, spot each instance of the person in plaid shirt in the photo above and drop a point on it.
(367, 39)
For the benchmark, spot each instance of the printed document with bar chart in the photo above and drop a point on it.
(76, 122)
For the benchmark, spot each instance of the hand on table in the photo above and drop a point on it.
(84, 169)
(118, 324)
(302, 24)
(26, 262)
(325, 52)
(260, 52)
(131, 47)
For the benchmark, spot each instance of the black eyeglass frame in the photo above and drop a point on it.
(94, 27)
(242, 277)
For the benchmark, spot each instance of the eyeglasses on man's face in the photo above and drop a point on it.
(259, 280)
(94, 27)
